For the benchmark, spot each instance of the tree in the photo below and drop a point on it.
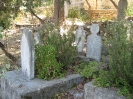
(8, 10)
(121, 8)
(56, 9)
(59, 9)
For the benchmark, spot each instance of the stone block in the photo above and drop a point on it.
(15, 86)
(94, 92)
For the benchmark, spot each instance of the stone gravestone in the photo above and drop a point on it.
(27, 54)
(80, 38)
(37, 38)
(94, 43)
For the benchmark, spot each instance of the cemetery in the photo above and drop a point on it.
(77, 57)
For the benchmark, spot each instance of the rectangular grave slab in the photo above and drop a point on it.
(14, 86)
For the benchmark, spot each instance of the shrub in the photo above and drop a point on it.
(74, 13)
(129, 11)
(79, 13)
(120, 73)
(56, 53)
(89, 70)
(46, 64)
(63, 44)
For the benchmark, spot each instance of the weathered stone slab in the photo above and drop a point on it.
(94, 92)
(94, 43)
(16, 87)
(80, 38)
(27, 54)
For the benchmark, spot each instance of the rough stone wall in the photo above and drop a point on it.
(101, 4)
(102, 14)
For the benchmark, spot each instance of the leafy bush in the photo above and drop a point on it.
(120, 73)
(129, 11)
(56, 52)
(74, 13)
(8, 11)
(46, 64)
(81, 14)
(63, 43)
(4, 70)
(5, 20)
(89, 70)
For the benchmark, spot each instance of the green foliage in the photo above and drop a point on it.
(1, 28)
(89, 70)
(8, 10)
(57, 96)
(46, 64)
(55, 53)
(74, 13)
(63, 43)
(80, 14)
(101, 80)
(120, 73)
(129, 11)
(4, 70)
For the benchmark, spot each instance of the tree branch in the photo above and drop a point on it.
(88, 4)
(115, 5)
(10, 56)
(33, 13)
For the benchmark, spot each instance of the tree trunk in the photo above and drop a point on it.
(122, 6)
(56, 9)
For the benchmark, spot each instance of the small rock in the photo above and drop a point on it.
(78, 95)
(94, 92)
(80, 86)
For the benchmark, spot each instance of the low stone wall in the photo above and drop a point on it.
(102, 14)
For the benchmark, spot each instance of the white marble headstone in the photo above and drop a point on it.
(94, 43)
(80, 38)
(27, 54)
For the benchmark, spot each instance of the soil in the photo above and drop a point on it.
(11, 41)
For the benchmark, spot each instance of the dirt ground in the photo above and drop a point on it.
(11, 41)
